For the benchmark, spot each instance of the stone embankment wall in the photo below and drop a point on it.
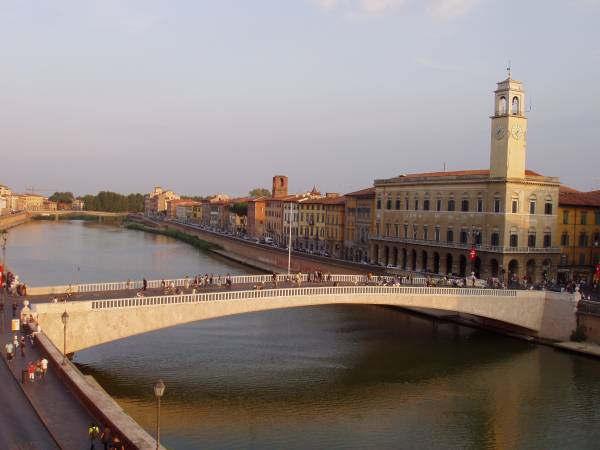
(591, 326)
(270, 256)
(97, 401)
(12, 220)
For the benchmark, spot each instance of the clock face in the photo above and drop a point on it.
(516, 132)
(500, 133)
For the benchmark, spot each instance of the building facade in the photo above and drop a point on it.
(579, 231)
(358, 222)
(155, 203)
(430, 222)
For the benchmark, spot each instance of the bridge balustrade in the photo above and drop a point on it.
(237, 279)
(301, 291)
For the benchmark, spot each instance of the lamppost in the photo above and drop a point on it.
(65, 320)
(159, 390)
(290, 238)
(3, 276)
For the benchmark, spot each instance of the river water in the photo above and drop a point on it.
(331, 377)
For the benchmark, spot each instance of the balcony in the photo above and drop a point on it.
(461, 246)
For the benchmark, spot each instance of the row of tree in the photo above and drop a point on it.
(114, 202)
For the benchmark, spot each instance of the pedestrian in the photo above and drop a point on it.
(9, 351)
(15, 345)
(117, 444)
(22, 344)
(31, 371)
(144, 284)
(106, 436)
(93, 432)
(44, 365)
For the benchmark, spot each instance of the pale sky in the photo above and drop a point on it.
(218, 96)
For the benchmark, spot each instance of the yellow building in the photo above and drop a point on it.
(30, 202)
(335, 209)
(358, 222)
(579, 230)
(430, 221)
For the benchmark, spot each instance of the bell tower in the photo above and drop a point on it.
(509, 131)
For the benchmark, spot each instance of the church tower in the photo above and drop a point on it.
(509, 131)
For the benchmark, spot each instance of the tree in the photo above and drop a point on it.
(241, 209)
(259, 192)
(113, 202)
(62, 197)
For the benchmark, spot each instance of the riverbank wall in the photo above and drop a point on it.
(258, 255)
(12, 220)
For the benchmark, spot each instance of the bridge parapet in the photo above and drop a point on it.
(218, 280)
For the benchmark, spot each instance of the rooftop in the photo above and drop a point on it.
(572, 197)
(457, 174)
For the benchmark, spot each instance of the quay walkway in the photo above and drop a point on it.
(44, 414)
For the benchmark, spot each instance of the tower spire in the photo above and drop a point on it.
(508, 69)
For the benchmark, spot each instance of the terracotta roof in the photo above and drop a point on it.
(362, 193)
(460, 173)
(565, 188)
(576, 198)
(334, 200)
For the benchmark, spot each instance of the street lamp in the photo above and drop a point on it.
(159, 390)
(65, 320)
(3, 275)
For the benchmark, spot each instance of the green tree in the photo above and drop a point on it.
(259, 192)
(113, 202)
(241, 209)
(62, 197)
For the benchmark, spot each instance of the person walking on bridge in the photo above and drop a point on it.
(144, 284)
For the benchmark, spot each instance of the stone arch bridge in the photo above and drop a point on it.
(540, 314)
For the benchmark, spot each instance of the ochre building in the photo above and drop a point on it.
(579, 231)
(430, 221)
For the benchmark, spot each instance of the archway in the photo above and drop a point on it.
(413, 260)
(513, 271)
(546, 268)
(494, 268)
(424, 261)
(395, 259)
(530, 270)
(436, 262)
(462, 266)
(477, 267)
(386, 253)
(404, 262)
(449, 262)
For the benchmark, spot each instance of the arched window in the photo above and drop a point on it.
(502, 106)
(515, 106)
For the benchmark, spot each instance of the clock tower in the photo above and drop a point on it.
(509, 131)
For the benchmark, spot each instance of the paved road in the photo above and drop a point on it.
(20, 427)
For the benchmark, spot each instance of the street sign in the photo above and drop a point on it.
(15, 325)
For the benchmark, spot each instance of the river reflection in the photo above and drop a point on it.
(331, 377)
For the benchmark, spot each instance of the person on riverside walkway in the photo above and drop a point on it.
(22, 345)
(93, 432)
(44, 364)
(15, 345)
(31, 371)
(144, 284)
(106, 436)
(9, 351)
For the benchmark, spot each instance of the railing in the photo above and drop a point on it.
(466, 246)
(292, 292)
(220, 280)
(587, 307)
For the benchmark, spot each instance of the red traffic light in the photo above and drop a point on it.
(473, 254)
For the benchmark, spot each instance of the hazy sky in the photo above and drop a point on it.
(217, 96)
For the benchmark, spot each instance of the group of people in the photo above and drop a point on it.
(104, 436)
(10, 282)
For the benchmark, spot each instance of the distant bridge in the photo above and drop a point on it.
(93, 322)
(65, 212)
